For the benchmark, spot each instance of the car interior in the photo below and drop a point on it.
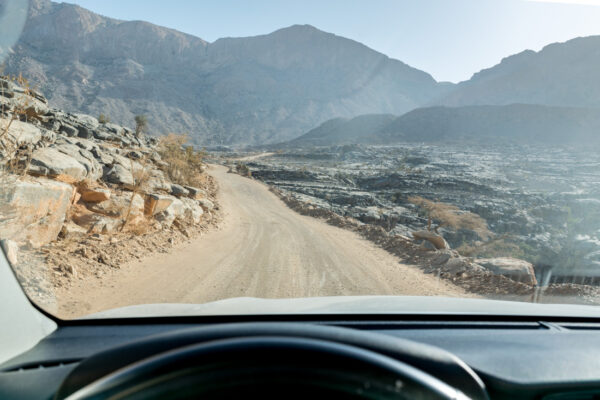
(424, 356)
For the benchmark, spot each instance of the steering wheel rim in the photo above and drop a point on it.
(340, 368)
(432, 360)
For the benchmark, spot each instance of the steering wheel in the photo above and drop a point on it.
(267, 360)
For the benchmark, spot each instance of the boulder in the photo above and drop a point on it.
(50, 162)
(85, 132)
(11, 251)
(103, 155)
(72, 230)
(436, 240)
(178, 190)
(97, 223)
(83, 156)
(196, 193)
(206, 204)
(33, 211)
(113, 128)
(68, 130)
(21, 132)
(95, 195)
(175, 210)
(155, 203)
(193, 212)
(513, 268)
(117, 205)
(119, 175)
(86, 120)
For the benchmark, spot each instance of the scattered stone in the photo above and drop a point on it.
(156, 203)
(95, 195)
(206, 204)
(178, 190)
(196, 193)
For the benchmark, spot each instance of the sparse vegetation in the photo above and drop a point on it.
(140, 176)
(448, 215)
(104, 119)
(17, 155)
(184, 164)
(141, 123)
(242, 169)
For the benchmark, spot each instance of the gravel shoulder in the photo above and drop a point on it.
(261, 249)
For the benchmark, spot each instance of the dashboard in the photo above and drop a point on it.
(497, 359)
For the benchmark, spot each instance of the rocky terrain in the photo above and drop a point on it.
(266, 88)
(542, 205)
(78, 196)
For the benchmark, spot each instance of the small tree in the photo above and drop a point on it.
(141, 123)
(103, 119)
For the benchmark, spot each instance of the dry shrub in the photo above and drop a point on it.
(140, 179)
(445, 214)
(17, 156)
(243, 169)
(498, 247)
(184, 163)
(103, 119)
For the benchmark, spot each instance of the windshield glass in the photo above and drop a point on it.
(190, 153)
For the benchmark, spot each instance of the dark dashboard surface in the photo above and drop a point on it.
(529, 359)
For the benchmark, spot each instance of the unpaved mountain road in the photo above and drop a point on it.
(262, 249)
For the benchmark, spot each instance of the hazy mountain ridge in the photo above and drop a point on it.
(561, 74)
(514, 123)
(236, 90)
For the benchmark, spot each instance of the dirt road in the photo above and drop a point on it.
(263, 249)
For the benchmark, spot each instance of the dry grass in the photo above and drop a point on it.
(17, 155)
(184, 163)
(448, 215)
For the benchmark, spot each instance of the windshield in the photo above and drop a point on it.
(207, 153)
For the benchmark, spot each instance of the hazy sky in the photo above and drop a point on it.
(450, 39)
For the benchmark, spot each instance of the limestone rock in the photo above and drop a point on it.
(34, 210)
(513, 268)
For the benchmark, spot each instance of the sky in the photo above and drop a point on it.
(450, 39)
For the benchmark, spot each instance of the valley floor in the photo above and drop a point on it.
(262, 249)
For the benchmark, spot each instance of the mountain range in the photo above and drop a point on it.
(275, 87)
(508, 124)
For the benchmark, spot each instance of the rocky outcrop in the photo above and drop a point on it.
(70, 175)
(34, 210)
(513, 268)
(236, 90)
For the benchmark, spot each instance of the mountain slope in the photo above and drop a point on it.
(561, 74)
(361, 129)
(236, 90)
(515, 123)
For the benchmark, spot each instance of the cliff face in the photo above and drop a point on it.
(236, 90)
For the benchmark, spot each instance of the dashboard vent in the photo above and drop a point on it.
(40, 365)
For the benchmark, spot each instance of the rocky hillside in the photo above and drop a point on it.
(67, 178)
(259, 89)
(561, 74)
(515, 123)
